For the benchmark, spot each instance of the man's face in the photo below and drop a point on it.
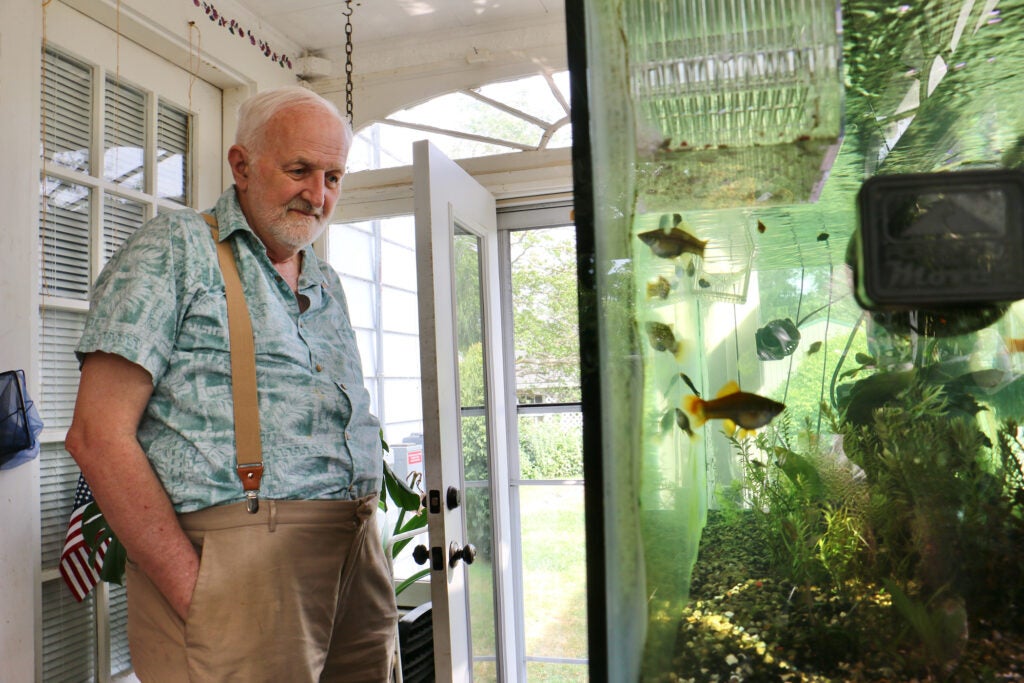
(288, 189)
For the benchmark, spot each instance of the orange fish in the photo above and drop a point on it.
(738, 409)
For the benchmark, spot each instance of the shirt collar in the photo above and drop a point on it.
(230, 219)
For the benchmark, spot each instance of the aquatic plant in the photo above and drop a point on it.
(946, 503)
(910, 494)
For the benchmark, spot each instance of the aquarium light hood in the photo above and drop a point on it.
(736, 104)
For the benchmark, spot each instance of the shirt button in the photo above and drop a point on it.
(319, 368)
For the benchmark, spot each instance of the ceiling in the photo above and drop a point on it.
(319, 25)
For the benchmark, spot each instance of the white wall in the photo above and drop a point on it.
(20, 36)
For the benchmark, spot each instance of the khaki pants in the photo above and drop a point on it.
(298, 592)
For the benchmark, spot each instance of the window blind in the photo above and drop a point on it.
(124, 135)
(173, 132)
(66, 111)
(64, 224)
(121, 217)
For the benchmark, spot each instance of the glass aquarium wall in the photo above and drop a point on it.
(788, 486)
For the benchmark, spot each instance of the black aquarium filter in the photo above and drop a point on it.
(940, 239)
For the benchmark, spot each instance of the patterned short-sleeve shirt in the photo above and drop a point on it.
(160, 303)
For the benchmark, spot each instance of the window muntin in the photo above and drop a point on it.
(525, 114)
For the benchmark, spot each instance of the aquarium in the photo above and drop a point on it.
(788, 480)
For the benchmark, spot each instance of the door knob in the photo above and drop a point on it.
(466, 553)
(452, 498)
(420, 554)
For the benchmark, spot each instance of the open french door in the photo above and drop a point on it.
(464, 421)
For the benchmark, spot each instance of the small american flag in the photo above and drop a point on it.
(79, 574)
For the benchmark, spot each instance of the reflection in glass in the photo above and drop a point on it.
(65, 238)
(124, 135)
(173, 134)
(121, 217)
(66, 112)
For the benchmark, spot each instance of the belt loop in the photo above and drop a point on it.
(366, 508)
(272, 520)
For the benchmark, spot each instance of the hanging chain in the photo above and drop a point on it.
(348, 60)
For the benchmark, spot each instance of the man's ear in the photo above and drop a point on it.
(238, 160)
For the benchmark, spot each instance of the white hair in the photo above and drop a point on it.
(258, 110)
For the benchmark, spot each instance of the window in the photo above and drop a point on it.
(376, 260)
(526, 114)
(115, 152)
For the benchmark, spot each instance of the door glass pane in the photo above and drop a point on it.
(475, 448)
(481, 576)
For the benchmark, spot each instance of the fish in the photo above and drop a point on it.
(658, 289)
(761, 227)
(663, 339)
(689, 383)
(1015, 345)
(814, 348)
(703, 284)
(691, 268)
(684, 422)
(739, 410)
(673, 242)
(823, 237)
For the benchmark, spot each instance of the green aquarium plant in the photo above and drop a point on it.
(892, 539)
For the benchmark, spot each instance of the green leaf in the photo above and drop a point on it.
(94, 526)
(95, 531)
(114, 562)
(404, 496)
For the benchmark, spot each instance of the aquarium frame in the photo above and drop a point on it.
(598, 628)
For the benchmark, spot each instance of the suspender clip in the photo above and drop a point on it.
(250, 475)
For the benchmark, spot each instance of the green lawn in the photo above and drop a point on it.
(554, 585)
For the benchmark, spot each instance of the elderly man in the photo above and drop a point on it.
(286, 581)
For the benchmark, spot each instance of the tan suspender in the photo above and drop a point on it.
(248, 448)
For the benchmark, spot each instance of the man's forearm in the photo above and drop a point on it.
(138, 510)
